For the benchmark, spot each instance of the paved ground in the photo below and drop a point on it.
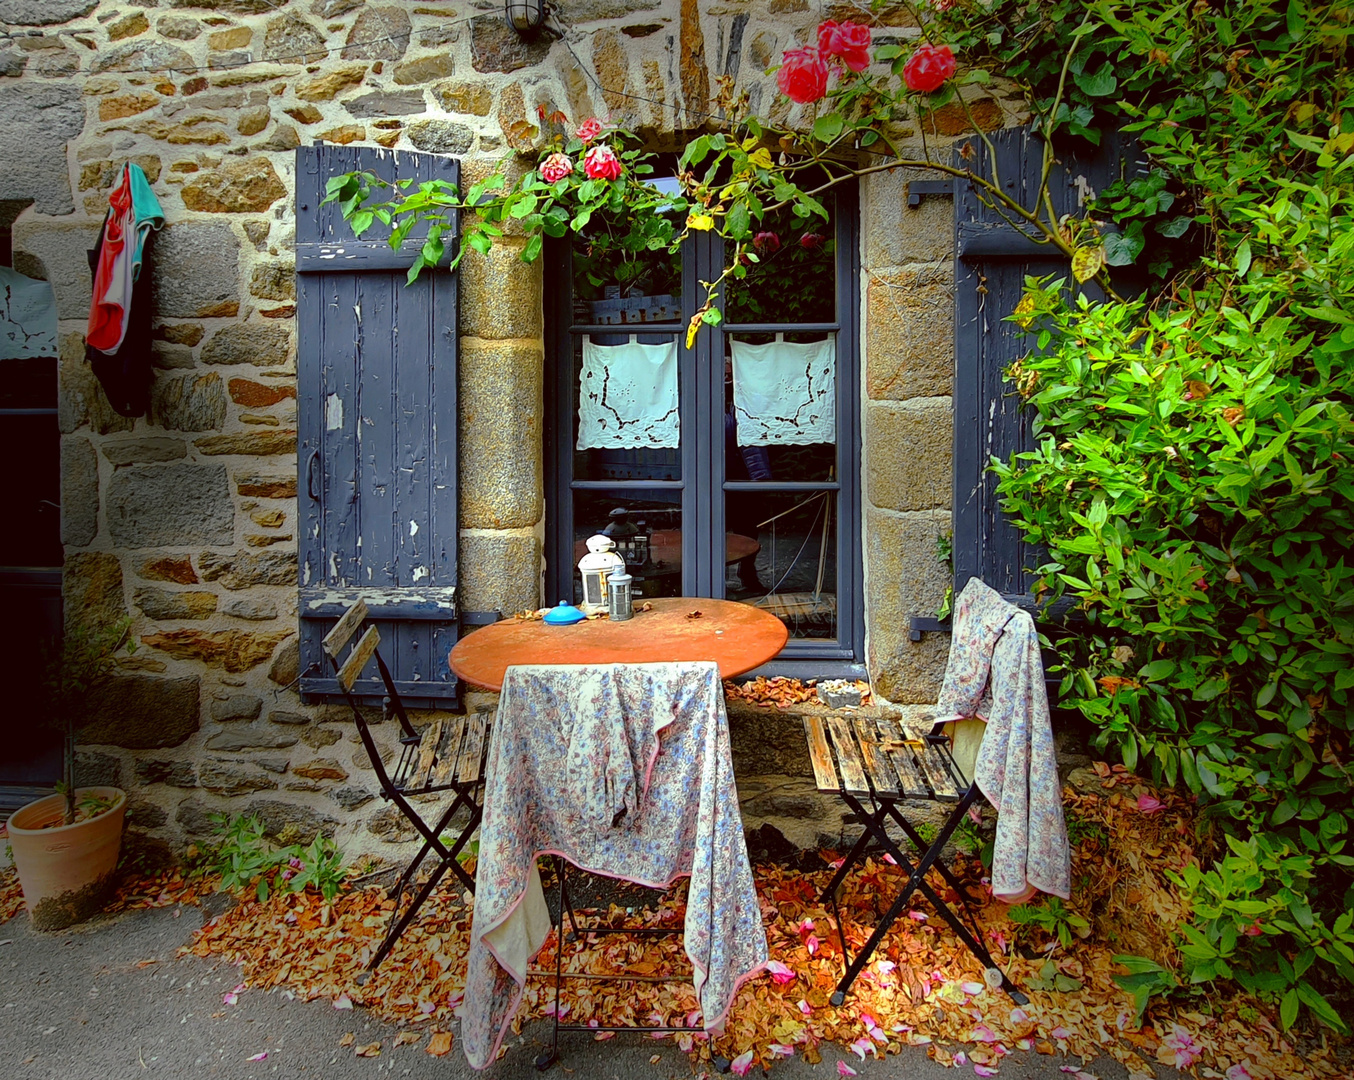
(109, 1001)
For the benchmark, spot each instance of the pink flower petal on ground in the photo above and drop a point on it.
(230, 997)
(1238, 1072)
(1024, 1044)
(972, 988)
(811, 943)
(885, 967)
(806, 927)
(982, 1033)
(692, 1017)
(1019, 1016)
(343, 1001)
(741, 1064)
(843, 1069)
(1148, 804)
(960, 1058)
(890, 859)
(862, 1047)
(454, 998)
(780, 974)
(781, 1050)
(983, 1070)
(917, 916)
(805, 1007)
(1060, 1032)
(837, 864)
(258, 1057)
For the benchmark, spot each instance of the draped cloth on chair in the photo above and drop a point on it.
(623, 770)
(996, 675)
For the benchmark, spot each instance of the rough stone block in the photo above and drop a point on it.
(441, 136)
(321, 769)
(179, 27)
(44, 12)
(79, 491)
(329, 84)
(380, 103)
(266, 487)
(177, 568)
(500, 294)
(287, 662)
(54, 250)
(169, 506)
(280, 717)
(182, 774)
(143, 451)
(97, 770)
(221, 778)
(317, 738)
(499, 572)
(81, 399)
(234, 650)
(288, 823)
(248, 343)
(164, 604)
(237, 707)
(145, 814)
(251, 737)
(470, 98)
(41, 118)
(91, 589)
(379, 33)
(243, 569)
(905, 576)
(250, 608)
(391, 826)
(425, 69)
(496, 46)
(236, 187)
(909, 337)
(273, 281)
(909, 453)
(141, 712)
(196, 275)
(188, 402)
(501, 434)
(350, 798)
(256, 443)
(896, 233)
(289, 39)
(195, 819)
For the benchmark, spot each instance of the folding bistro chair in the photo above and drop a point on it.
(448, 756)
(881, 761)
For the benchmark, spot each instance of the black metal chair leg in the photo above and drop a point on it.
(393, 934)
(549, 1057)
(856, 851)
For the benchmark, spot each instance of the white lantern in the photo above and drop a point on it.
(595, 567)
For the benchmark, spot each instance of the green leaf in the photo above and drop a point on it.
(826, 128)
(1243, 257)
(1121, 249)
(1100, 84)
(1176, 227)
(737, 220)
(1288, 1008)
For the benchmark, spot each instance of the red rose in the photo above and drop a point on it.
(802, 76)
(766, 241)
(602, 164)
(555, 168)
(849, 42)
(927, 69)
(811, 240)
(590, 130)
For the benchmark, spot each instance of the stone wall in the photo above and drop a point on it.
(187, 519)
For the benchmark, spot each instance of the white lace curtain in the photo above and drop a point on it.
(627, 396)
(784, 392)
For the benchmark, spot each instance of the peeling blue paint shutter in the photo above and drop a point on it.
(991, 262)
(376, 378)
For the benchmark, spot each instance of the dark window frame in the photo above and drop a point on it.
(703, 485)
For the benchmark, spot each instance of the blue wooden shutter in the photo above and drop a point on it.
(992, 260)
(376, 377)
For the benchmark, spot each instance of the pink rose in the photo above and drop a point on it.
(927, 69)
(602, 163)
(802, 76)
(590, 130)
(769, 242)
(555, 168)
(849, 42)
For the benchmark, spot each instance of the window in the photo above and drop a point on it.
(737, 459)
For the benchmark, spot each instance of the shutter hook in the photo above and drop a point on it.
(310, 475)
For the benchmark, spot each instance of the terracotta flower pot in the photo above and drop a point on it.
(65, 870)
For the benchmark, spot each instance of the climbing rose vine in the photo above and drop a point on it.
(556, 167)
(803, 76)
(602, 164)
(928, 68)
(848, 42)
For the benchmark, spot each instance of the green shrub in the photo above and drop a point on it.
(245, 858)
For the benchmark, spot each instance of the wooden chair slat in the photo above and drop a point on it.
(427, 754)
(471, 750)
(848, 755)
(448, 752)
(900, 755)
(357, 659)
(344, 629)
(876, 760)
(936, 773)
(820, 754)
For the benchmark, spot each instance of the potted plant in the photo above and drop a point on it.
(66, 845)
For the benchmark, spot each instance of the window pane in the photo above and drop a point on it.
(616, 287)
(781, 554)
(791, 402)
(32, 536)
(647, 528)
(626, 407)
(795, 277)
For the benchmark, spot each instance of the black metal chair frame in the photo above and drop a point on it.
(393, 788)
(884, 809)
(565, 906)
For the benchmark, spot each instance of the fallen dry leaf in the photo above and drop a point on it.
(370, 1050)
(348, 1039)
(439, 1044)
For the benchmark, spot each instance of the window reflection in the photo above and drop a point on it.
(790, 566)
(795, 277)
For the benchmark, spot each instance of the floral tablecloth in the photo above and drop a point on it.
(624, 770)
(995, 674)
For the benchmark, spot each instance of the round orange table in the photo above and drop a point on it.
(738, 637)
